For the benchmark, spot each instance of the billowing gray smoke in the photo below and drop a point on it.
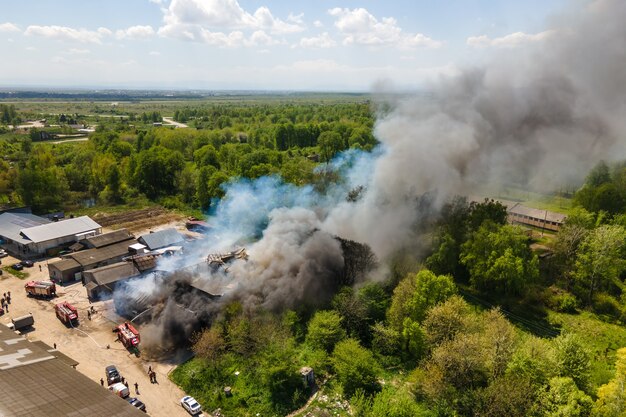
(539, 116)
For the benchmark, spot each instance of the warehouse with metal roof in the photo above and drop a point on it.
(34, 381)
(93, 258)
(162, 238)
(11, 226)
(29, 236)
(107, 239)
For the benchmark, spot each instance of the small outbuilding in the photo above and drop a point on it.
(162, 238)
(308, 377)
(65, 270)
(103, 280)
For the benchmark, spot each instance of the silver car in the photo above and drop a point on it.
(191, 405)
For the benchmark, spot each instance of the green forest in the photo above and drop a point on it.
(129, 159)
(493, 320)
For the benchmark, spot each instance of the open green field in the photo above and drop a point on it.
(552, 202)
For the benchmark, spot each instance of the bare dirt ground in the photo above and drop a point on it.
(154, 218)
(87, 343)
(170, 121)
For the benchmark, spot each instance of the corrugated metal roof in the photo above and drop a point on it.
(12, 223)
(109, 238)
(65, 264)
(112, 273)
(94, 256)
(541, 215)
(31, 371)
(162, 238)
(61, 228)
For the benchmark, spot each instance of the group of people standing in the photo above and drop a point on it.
(5, 301)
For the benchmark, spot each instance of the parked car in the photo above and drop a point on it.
(17, 267)
(3, 253)
(27, 263)
(137, 403)
(191, 405)
(119, 389)
(112, 374)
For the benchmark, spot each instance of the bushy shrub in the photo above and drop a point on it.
(607, 305)
(562, 301)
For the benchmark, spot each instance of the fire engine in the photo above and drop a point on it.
(46, 289)
(128, 335)
(67, 313)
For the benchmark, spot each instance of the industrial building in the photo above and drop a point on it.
(28, 236)
(107, 239)
(162, 239)
(102, 281)
(545, 219)
(34, 381)
(75, 264)
(65, 270)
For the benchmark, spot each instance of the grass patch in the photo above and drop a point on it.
(18, 274)
(551, 202)
(250, 396)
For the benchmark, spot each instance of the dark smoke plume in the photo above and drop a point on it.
(538, 116)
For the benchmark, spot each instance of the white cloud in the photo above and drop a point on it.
(77, 51)
(236, 39)
(64, 33)
(105, 32)
(154, 53)
(360, 27)
(197, 20)
(31, 48)
(322, 41)
(509, 41)
(318, 24)
(9, 27)
(156, 1)
(296, 18)
(135, 32)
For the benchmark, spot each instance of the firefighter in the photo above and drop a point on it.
(136, 388)
(101, 381)
(9, 297)
(89, 315)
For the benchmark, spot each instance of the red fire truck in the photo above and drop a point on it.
(128, 335)
(44, 289)
(67, 313)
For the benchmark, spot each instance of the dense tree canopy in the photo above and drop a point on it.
(499, 259)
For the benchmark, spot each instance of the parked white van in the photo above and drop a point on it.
(119, 389)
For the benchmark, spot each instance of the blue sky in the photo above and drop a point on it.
(345, 45)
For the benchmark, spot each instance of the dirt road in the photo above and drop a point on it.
(170, 121)
(87, 344)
